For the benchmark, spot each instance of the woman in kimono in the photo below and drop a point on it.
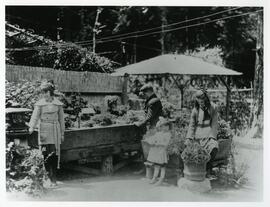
(203, 125)
(49, 116)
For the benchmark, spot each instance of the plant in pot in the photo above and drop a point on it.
(195, 158)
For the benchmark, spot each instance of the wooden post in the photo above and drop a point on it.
(124, 89)
(181, 88)
(228, 98)
(228, 95)
(164, 79)
(182, 97)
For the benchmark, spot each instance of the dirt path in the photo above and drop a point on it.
(125, 186)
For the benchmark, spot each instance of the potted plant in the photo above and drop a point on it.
(195, 158)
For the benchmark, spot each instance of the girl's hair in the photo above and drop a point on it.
(199, 94)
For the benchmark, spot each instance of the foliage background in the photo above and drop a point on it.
(235, 37)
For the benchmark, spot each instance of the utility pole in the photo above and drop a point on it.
(59, 28)
(163, 23)
(135, 50)
(96, 28)
(124, 55)
(187, 48)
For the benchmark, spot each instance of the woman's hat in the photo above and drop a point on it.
(47, 86)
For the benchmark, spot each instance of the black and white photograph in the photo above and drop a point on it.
(134, 103)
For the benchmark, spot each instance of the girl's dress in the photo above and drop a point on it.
(158, 147)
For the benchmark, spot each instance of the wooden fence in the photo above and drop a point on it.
(68, 81)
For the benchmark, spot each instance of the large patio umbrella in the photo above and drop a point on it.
(177, 65)
(174, 64)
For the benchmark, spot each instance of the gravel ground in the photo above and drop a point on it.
(125, 186)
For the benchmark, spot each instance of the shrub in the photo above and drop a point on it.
(24, 170)
(176, 144)
(234, 175)
(239, 114)
(25, 93)
(224, 130)
(132, 116)
(104, 119)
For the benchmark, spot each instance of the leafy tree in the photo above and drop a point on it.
(236, 36)
(63, 56)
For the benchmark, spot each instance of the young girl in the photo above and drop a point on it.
(157, 155)
(48, 114)
(204, 125)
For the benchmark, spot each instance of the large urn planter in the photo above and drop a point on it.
(194, 178)
(194, 171)
(195, 158)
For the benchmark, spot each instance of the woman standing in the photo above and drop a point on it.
(48, 114)
(204, 125)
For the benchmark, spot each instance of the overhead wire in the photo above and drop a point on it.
(160, 27)
(177, 28)
(154, 28)
(147, 34)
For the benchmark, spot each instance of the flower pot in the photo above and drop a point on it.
(195, 172)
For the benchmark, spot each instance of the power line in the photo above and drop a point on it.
(150, 29)
(178, 28)
(147, 34)
(159, 27)
(110, 39)
(150, 48)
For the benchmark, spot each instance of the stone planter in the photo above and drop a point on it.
(194, 186)
(194, 178)
(195, 172)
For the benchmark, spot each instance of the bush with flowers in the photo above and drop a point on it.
(25, 170)
(224, 130)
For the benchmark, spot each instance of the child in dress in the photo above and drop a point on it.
(48, 115)
(157, 155)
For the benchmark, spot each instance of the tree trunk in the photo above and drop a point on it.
(257, 109)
